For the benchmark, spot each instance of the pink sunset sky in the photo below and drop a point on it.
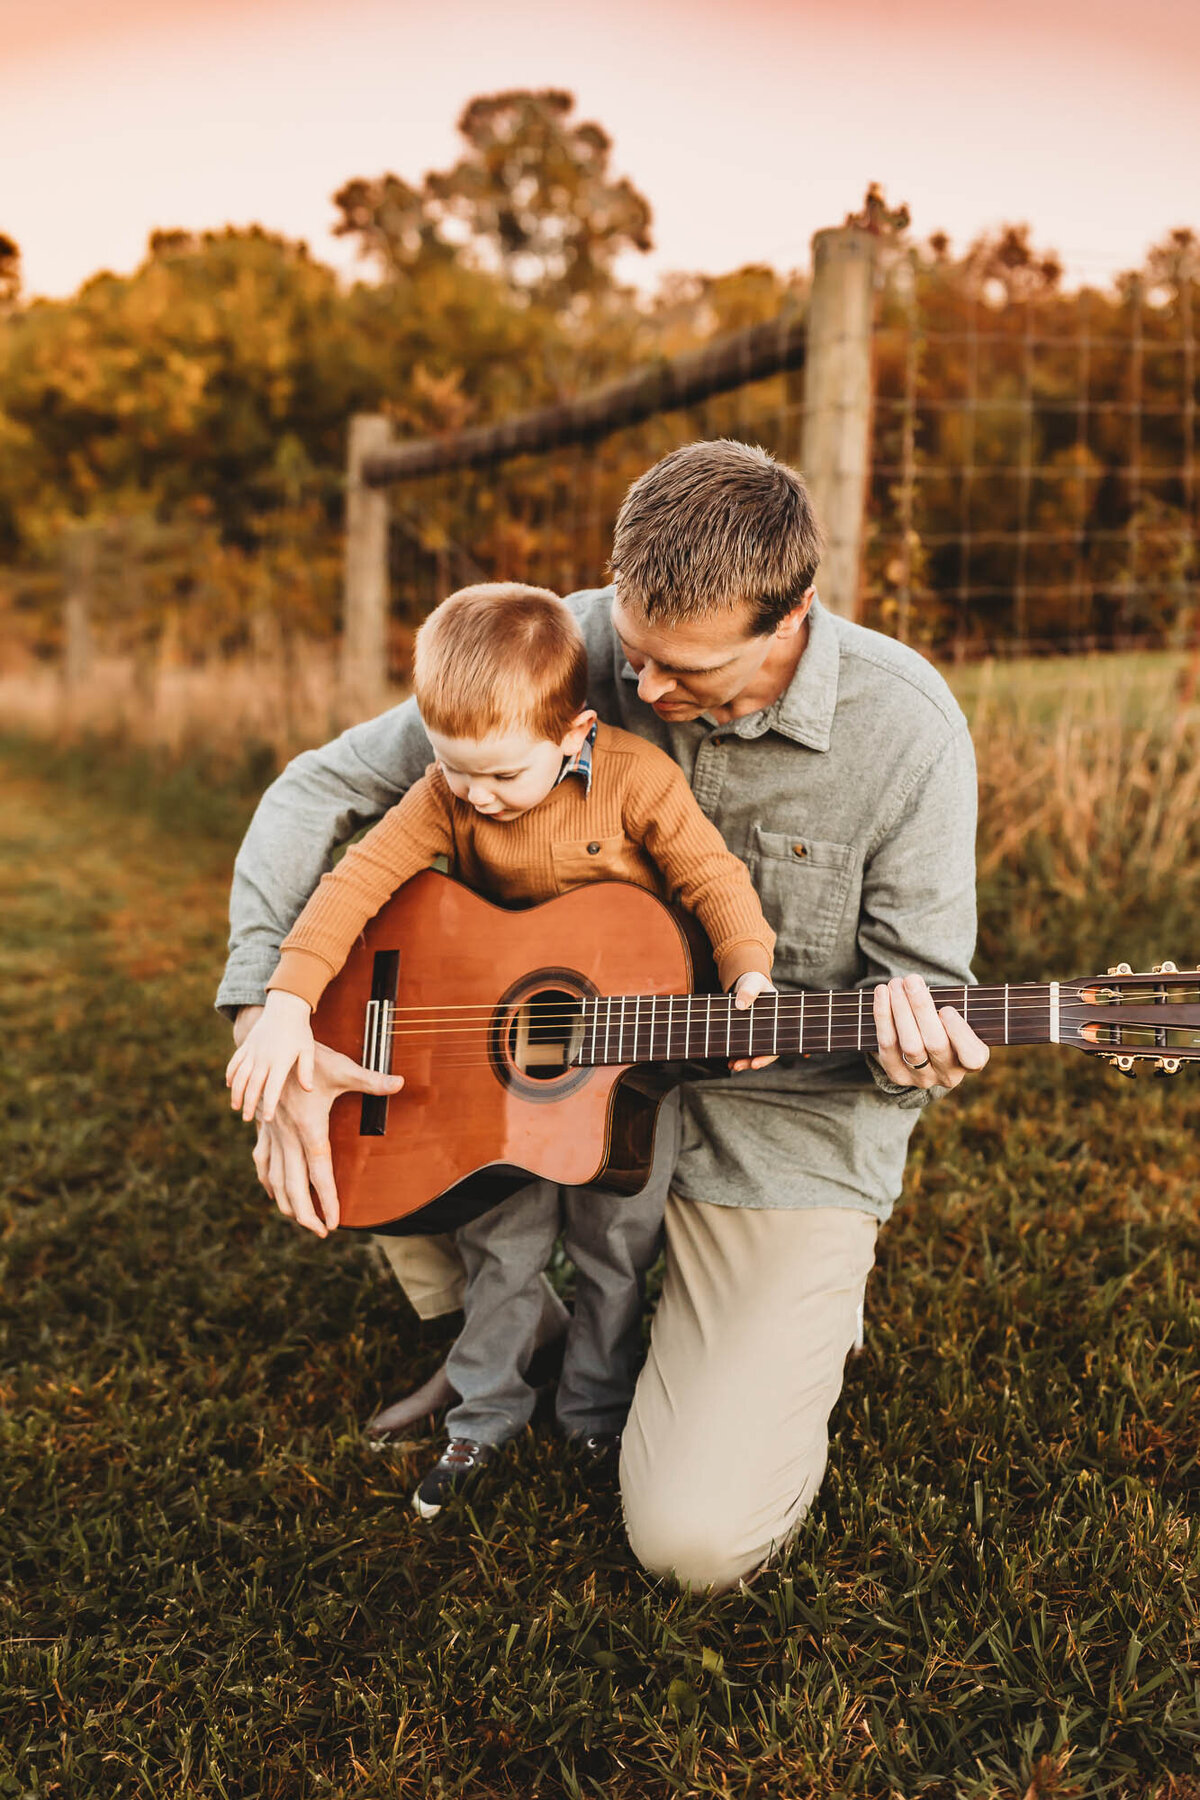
(748, 123)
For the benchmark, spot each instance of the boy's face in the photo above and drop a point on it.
(507, 773)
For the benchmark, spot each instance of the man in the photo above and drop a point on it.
(836, 763)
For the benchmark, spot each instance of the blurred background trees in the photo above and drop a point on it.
(194, 412)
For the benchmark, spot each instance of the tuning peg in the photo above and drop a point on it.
(1166, 968)
(1120, 969)
(1167, 1065)
(1123, 1064)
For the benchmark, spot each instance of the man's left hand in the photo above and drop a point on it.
(921, 1046)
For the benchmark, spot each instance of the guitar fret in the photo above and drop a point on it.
(707, 1021)
(621, 1028)
(728, 1026)
(670, 1051)
(829, 1033)
(687, 1029)
(607, 1026)
(750, 1032)
(653, 1004)
(858, 1044)
(775, 1030)
(1006, 1012)
(800, 1045)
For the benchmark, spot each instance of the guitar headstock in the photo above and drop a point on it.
(1132, 1019)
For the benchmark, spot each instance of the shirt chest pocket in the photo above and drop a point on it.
(580, 860)
(804, 884)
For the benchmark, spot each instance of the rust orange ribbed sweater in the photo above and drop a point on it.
(639, 823)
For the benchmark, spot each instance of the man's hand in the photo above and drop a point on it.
(920, 1046)
(746, 991)
(292, 1156)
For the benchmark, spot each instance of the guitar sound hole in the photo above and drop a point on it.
(544, 1033)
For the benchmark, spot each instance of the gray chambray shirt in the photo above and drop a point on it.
(852, 802)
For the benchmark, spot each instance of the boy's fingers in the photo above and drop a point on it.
(232, 1066)
(304, 1068)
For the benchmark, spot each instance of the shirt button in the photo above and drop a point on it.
(593, 849)
(716, 742)
(799, 850)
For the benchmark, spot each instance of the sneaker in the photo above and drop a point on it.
(600, 1447)
(457, 1466)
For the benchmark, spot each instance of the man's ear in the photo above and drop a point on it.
(577, 730)
(791, 622)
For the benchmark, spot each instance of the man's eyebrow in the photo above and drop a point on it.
(677, 668)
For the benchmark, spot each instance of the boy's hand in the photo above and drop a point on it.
(746, 991)
(292, 1157)
(280, 1041)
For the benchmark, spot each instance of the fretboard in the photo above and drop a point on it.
(650, 1028)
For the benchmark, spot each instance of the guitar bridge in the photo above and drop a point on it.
(377, 1038)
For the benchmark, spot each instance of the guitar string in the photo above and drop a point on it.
(1031, 990)
(818, 1015)
(816, 1001)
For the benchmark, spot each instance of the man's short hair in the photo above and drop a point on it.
(500, 657)
(713, 526)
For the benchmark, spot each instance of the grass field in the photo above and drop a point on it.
(208, 1587)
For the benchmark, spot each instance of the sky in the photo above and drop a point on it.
(749, 124)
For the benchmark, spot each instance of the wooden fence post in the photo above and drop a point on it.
(78, 648)
(836, 444)
(365, 603)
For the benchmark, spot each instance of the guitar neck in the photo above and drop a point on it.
(656, 1028)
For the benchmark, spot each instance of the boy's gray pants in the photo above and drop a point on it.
(612, 1239)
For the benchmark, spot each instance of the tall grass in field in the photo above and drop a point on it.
(1089, 822)
(218, 710)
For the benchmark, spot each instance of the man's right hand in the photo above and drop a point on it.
(292, 1156)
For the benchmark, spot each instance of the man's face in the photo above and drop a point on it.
(687, 669)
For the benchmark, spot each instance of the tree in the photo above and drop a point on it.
(531, 197)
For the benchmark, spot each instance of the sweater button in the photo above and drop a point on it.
(593, 849)
(800, 850)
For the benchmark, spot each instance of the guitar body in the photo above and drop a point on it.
(477, 1007)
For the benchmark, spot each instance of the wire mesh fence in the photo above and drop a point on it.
(1032, 484)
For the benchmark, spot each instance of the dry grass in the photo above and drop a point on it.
(220, 708)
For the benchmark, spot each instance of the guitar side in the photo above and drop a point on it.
(461, 969)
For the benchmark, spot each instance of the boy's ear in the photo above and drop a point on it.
(577, 730)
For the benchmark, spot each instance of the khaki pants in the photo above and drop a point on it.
(429, 1269)
(727, 1438)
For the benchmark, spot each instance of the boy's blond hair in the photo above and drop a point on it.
(500, 657)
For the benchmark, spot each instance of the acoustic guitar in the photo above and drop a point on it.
(533, 1042)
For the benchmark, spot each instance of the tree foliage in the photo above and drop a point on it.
(531, 197)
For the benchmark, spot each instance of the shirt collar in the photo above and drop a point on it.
(805, 709)
(581, 762)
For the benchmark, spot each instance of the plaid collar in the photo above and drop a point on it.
(581, 762)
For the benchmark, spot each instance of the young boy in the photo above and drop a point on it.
(528, 798)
